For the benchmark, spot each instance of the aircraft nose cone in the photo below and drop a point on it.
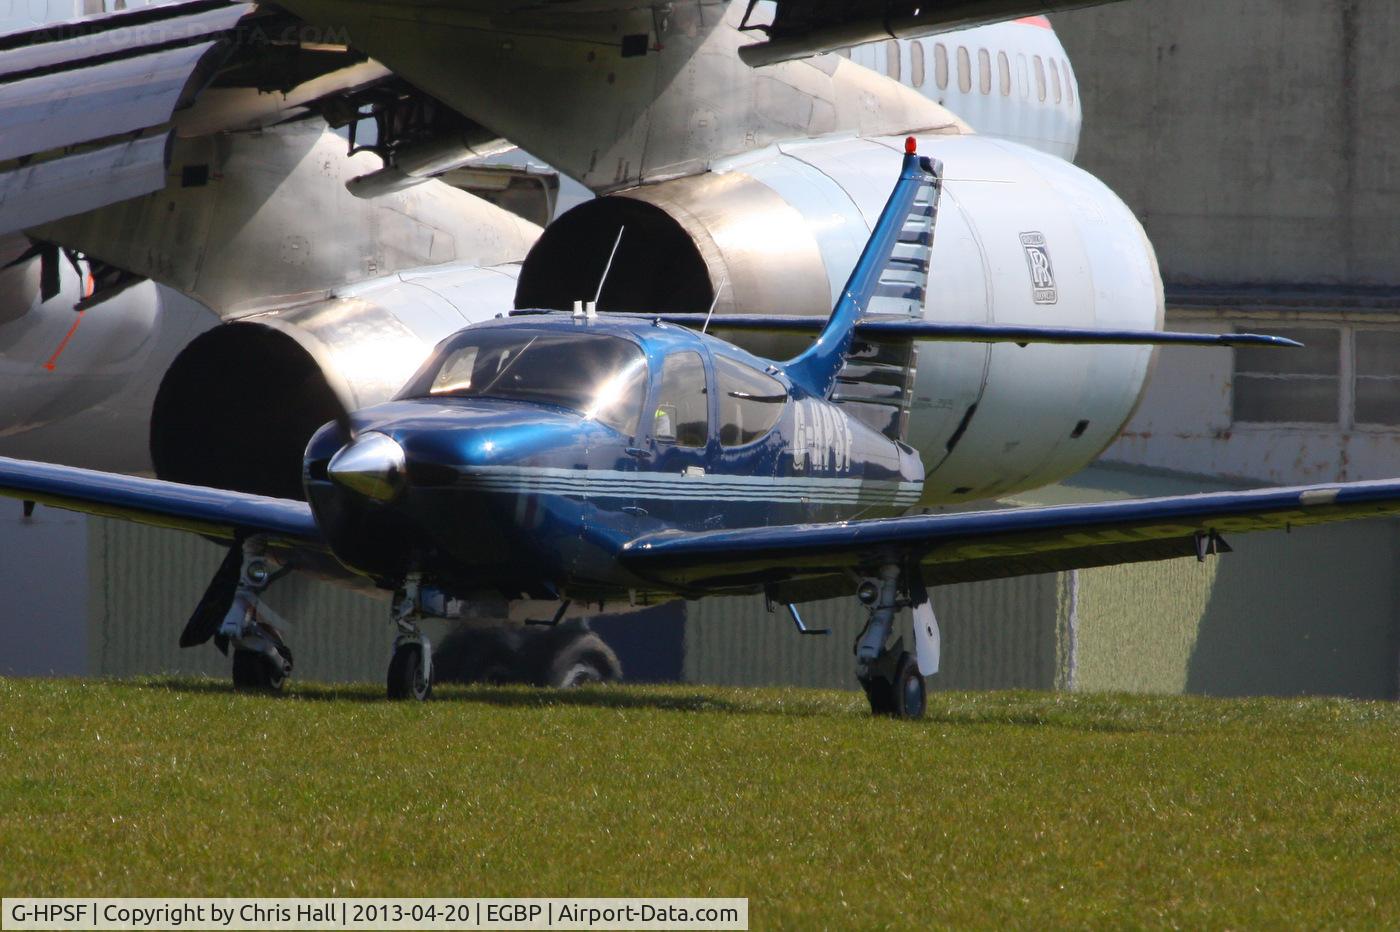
(373, 465)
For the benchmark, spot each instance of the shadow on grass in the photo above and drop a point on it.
(1098, 714)
(674, 699)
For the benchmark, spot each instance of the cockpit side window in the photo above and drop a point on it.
(750, 402)
(682, 406)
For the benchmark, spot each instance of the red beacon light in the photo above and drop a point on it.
(910, 146)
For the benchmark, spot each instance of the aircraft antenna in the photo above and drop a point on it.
(713, 304)
(608, 268)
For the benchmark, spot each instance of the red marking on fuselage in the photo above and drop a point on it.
(1040, 21)
(63, 344)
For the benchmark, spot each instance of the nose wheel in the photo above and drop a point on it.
(411, 664)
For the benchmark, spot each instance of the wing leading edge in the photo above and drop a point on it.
(992, 544)
(210, 512)
(933, 331)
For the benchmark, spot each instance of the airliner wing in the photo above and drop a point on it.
(801, 28)
(209, 512)
(798, 559)
(90, 106)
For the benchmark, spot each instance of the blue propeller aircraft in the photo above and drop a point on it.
(584, 459)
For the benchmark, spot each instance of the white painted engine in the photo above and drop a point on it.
(1022, 237)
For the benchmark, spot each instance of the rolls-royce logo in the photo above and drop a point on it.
(1042, 272)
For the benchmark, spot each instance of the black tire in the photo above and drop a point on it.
(910, 693)
(406, 680)
(254, 672)
(880, 694)
(581, 661)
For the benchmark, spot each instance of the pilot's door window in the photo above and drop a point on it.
(682, 417)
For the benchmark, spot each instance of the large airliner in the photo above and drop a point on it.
(107, 386)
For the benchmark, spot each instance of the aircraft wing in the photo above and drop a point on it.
(90, 106)
(798, 561)
(906, 328)
(801, 28)
(209, 512)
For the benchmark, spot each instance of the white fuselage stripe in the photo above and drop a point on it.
(682, 487)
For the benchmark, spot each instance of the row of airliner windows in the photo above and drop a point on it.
(1049, 85)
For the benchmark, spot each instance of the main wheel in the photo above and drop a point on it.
(910, 691)
(254, 671)
(406, 676)
(879, 693)
(583, 660)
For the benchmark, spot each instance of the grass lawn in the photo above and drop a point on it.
(1020, 809)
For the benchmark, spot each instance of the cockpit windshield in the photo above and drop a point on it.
(602, 377)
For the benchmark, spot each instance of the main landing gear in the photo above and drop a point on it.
(893, 679)
(262, 661)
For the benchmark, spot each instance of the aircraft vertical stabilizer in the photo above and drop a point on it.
(890, 275)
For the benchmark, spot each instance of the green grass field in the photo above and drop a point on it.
(999, 809)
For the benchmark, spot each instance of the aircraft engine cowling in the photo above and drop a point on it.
(1021, 237)
(239, 404)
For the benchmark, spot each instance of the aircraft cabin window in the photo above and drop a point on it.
(1040, 78)
(1022, 78)
(1055, 80)
(964, 70)
(940, 65)
(916, 63)
(750, 402)
(1069, 81)
(601, 377)
(682, 406)
(984, 71)
(1004, 68)
(892, 58)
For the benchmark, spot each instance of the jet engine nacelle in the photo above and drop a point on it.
(237, 407)
(1021, 237)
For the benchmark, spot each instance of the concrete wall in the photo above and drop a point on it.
(1255, 139)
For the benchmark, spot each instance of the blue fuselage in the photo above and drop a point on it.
(534, 499)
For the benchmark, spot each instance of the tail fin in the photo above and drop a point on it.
(893, 265)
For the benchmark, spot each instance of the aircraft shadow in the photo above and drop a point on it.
(1030, 710)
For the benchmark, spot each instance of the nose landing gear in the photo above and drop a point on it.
(411, 665)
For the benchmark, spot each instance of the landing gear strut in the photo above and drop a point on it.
(411, 665)
(894, 679)
(261, 659)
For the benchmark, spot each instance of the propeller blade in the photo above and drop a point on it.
(49, 283)
(342, 419)
(217, 599)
